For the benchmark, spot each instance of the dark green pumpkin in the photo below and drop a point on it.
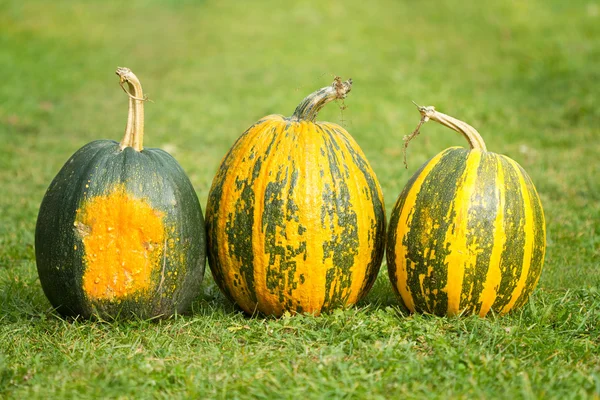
(120, 230)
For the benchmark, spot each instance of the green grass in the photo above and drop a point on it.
(524, 73)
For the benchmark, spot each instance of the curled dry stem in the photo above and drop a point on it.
(308, 109)
(467, 131)
(145, 98)
(134, 131)
(408, 138)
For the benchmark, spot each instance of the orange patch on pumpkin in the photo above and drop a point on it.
(123, 238)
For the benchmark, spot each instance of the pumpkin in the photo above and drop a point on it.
(120, 230)
(467, 234)
(295, 215)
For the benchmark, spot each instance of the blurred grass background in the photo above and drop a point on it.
(524, 73)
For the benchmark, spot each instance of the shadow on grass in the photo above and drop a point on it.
(21, 295)
(381, 294)
(22, 299)
(212, 301)
(574, 311)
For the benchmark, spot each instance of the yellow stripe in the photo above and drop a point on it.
(537, 199)
(307, 195)
(494, 275)
(462, 256)
(228, 263)
(268, 301)
(365, 212)
(404, 223)
(240, 168)
(528, 232)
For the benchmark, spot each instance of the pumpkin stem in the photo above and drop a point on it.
(134, 130)
(473, 137)
(308, 109)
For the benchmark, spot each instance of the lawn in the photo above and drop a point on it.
(524, 73)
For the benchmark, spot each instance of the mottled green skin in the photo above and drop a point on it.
(151, 174)
(377, 232)
(279, 208)
(243, 223)
(449, 168)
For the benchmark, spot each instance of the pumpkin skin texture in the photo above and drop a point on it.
(295, 217)
(120, 233)
(467, 234)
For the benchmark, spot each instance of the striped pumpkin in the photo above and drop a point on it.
(467, 234)
(295, 215)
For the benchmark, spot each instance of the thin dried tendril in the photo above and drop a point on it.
(408, 138)
(121, 82)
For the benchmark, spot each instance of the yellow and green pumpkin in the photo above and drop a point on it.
(295, 215)
(120, 231)
(467, 234)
